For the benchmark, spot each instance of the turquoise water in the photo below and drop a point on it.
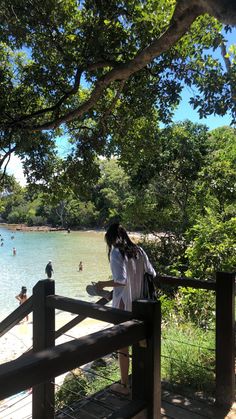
(34, 249)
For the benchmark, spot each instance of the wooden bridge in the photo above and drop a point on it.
(142, 330)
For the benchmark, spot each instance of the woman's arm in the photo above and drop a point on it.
(109, 283)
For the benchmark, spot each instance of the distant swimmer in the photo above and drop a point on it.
(49, 269)
(81, 266)
(22, 297)
(12, 237)
(14, 251)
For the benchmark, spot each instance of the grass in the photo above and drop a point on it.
(188, 357)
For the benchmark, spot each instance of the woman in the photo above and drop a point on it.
(22, 297)
(128, 264)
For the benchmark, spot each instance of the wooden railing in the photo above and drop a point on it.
(47, 361)
(224, 287)
(39, 368)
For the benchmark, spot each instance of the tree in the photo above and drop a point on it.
(11, 196)
(217, 180)
(165, 173)
(212, 246)
(112, 192)
(82, 66)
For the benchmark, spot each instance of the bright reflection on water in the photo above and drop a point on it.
(34, 249)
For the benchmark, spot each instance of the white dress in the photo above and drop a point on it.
(128, 272)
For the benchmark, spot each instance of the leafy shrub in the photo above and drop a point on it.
(36, 220)
(74, 388)
(196, 306)
(81, 383)
(212, 247)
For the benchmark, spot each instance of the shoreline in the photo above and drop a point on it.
(45, 228)
(135, 235)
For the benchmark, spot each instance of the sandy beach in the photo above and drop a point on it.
(19, 339)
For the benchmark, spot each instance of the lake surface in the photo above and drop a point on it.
(35, 249)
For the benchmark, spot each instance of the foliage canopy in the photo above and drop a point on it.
(88, 69)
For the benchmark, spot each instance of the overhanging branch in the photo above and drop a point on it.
(123, 71)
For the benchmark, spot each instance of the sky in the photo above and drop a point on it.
(183, 112)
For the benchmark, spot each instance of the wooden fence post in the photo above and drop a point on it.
(43, 337)
(225, 335)
(146, 358)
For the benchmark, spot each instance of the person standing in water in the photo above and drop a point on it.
(22, 297)
(49, 269)
(128, 263)
(81, 266)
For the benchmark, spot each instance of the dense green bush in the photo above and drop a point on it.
(212, 246)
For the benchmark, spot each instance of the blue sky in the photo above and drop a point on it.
(185, 111)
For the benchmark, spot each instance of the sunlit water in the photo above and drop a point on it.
(66, 250)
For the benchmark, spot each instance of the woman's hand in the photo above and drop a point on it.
(103, 284)
(100, 285)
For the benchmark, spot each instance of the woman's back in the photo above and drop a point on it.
(129, 272)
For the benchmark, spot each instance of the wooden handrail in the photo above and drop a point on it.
(78, 319)
(160, 280)
(16, 316)
(92, 310)
(225, 338)
(33, 369)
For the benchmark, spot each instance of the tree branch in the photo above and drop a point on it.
(3, 159)
(185, 13)
(123, 71)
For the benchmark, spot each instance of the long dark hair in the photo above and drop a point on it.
(117, 236)
(23, 291)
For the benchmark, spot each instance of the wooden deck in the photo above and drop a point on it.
(108, 404)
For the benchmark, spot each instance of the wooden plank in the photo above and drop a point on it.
(179, 412)
(92, 310)
(78, 319)
(225, 336)
(201, 407)
(146, 382)
(36, 368)
(16, 316)
(132, 408)
(43, 337)
(105, 397)
(112, 399)
(96, 410)
(184, 282)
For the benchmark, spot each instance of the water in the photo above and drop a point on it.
(35, 249)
